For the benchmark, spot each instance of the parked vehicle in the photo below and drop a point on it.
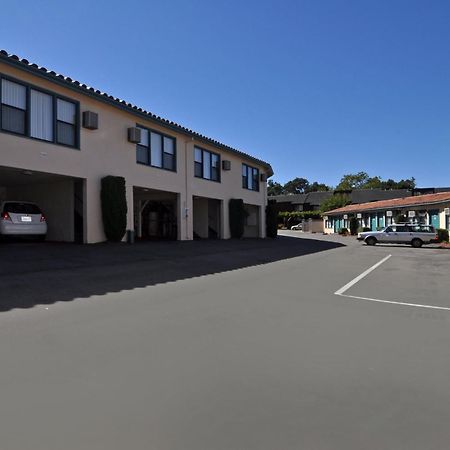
(298, 227)
(19, 218)
(413, 234)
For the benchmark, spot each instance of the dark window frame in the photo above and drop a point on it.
(211, 167)
(250, 171)
(149, 149)
(55, 96)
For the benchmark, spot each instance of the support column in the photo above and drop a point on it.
(262, 221)
(130, 207)
(224, 220)
(93, 224)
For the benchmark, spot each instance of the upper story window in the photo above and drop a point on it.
(206, 164)
(156, 150)
(37, 114)
(250, 177)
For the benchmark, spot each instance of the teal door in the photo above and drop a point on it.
(381, 220)
(433, 216)
(336, 224)
(374, 223)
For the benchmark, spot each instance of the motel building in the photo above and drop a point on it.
(59, 138)
(431, 209)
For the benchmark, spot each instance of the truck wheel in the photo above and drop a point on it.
(416, 243)
(371, 241)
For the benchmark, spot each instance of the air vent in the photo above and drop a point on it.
(134, 135)
(90, 120)
(226, 165)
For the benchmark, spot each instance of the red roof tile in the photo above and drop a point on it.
(428, 199)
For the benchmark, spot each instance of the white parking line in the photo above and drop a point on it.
(360, 277)
(393, 302)
(345, 288)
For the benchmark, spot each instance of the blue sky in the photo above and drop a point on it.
(317, 88)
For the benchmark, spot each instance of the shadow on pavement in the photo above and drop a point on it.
(44, 273)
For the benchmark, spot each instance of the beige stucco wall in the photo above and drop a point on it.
(106, 151)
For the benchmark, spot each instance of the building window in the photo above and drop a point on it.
(250, 178)
(206, 164)
(14, 107)
(37, 114)
(156, 150)
(41, 115)
(66, 115)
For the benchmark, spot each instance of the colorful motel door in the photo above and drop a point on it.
(433, 217)
(373, 222)
(381, 222)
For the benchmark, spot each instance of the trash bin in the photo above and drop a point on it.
(130, 236)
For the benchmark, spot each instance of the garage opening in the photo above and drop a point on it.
(206, 218)
(60, 198)
(155, 214)
(251, 229)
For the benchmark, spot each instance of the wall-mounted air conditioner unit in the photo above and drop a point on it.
(134, 135)
(226, 165)
(90, 120)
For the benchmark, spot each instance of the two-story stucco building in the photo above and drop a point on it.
(59, 137)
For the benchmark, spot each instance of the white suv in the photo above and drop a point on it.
(413, 234)
(22, 219)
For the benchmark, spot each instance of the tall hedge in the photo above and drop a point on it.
(442, 235)
(237, 216)
(114, 207)
(271, 220)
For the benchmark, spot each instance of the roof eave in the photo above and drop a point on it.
(76, 86)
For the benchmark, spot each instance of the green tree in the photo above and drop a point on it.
(114, 207)
(274, 188)
(373, 183)
(296, 186)
(334, 202)
(353, 181)
(315, 187)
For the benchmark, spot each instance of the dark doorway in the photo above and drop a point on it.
(159, 221)
(78, 207)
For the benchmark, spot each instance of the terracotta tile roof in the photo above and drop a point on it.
(419, 200)
(24, 64)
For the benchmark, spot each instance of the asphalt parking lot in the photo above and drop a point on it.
(304, 342)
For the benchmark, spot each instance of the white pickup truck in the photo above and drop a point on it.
(415, 235)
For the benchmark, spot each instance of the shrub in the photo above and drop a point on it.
(353, 226)
(114, 207)
(237, 216)
(343, 231)
(271, 220)
(293, 217)
(363, 229)
(442, 234)
(400, 218)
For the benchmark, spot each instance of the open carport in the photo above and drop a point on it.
(155, 214)
(59, 197)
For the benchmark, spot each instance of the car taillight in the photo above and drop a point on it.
(42, 218)
(6, 216)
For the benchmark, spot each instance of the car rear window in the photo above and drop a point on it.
(21, 208)
(423, 228)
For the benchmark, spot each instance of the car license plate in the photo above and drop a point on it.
(26, 219)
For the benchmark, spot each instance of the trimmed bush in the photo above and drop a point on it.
(442, 235)
(114, 207)
(237, 216)
(363, 229)
(343, 231)
(353, 226)
(271, 221)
